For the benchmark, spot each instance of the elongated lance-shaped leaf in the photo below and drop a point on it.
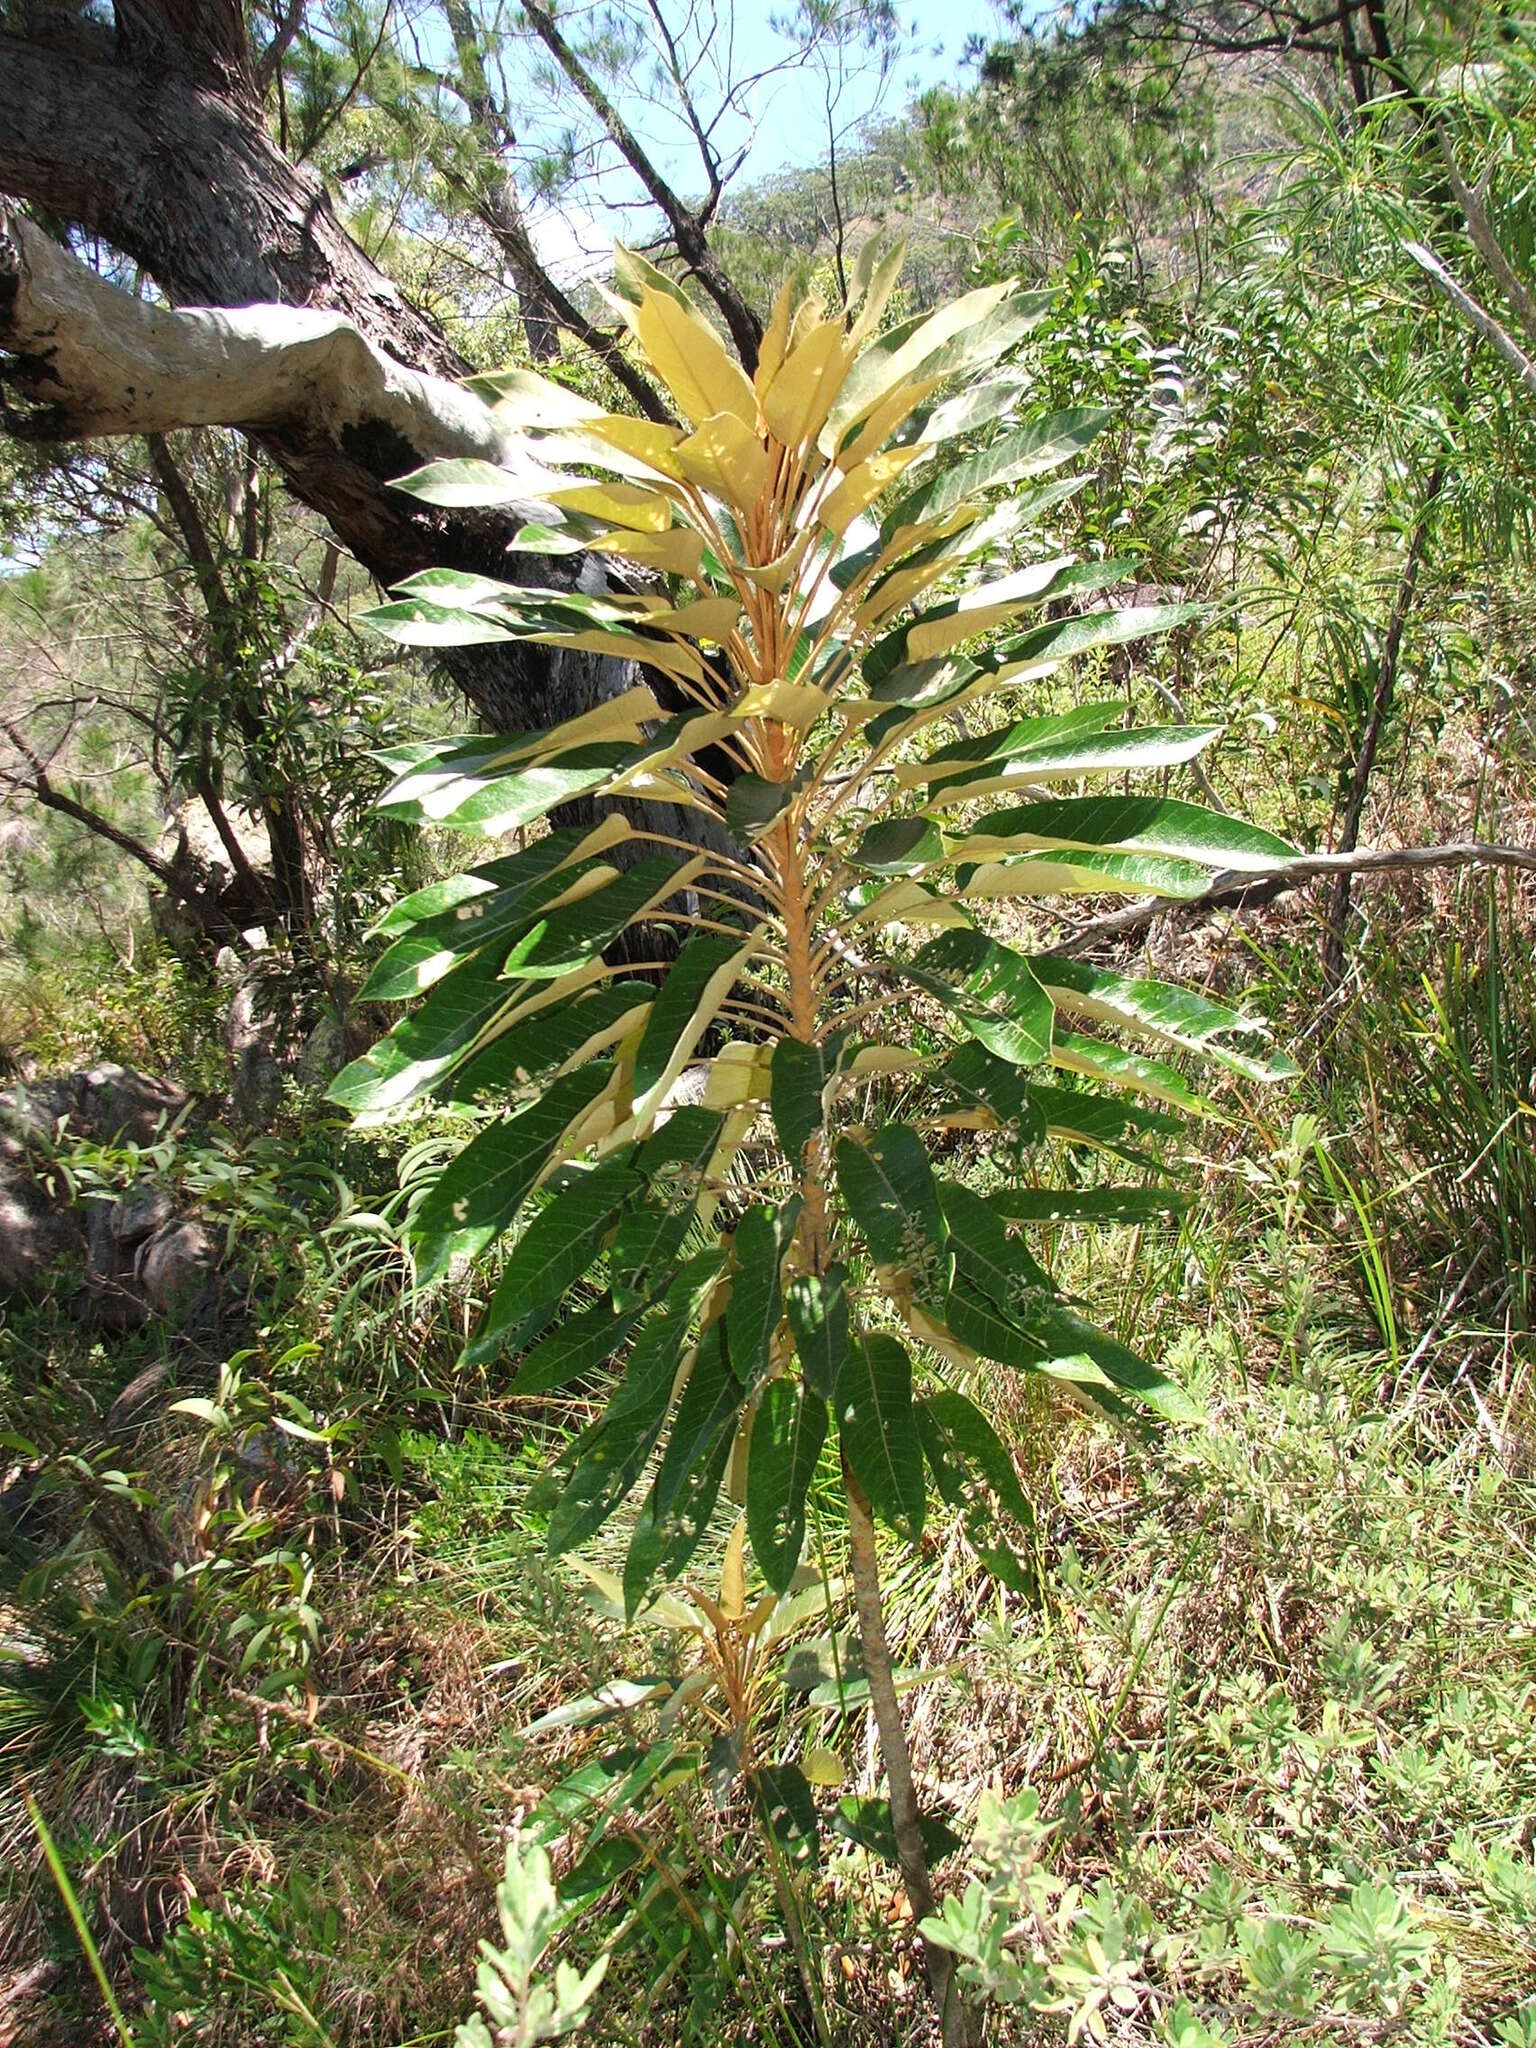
(802, 1077)
(698, 982)
(1074, 1116)
(969, 1462)
(1128, 824)
(664, 1540)
(981, 1081)
(562, 1241)
(1048, 730)
(1053, 1206)
(888, 1184)
(710, 1402)
(756, 1306)
(988, 1250)
(872, 1403)
(496, 800)
(607, 1459)
(578, 1345)
(1091, 1059)
(421, 956)
(1033, 450)
(646, 1245)
(424, 1046)
(578, 931)
(991, 992)
(441, 900)
(555, 1035)
(1160, 1012)
(817, 1307)
(480, 1194)
(787, 1435)
(1070, 872)
(1111, 753)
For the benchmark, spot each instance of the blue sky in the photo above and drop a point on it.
(784, 122)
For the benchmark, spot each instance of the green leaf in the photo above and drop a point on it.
(609, 1457)
(799, 1081)
(708, 1405)
(563, 1240)
(579, 931)
(987, 1250)
(555, 1035)
(645, 1247)
(1129, 824)
(1074, 1115)
(478, 792)
(1053, 729)
(979, 1078)
(1094, 1060)
(787, 1435)
(867, 1823)
(1043, 445)
(1112, 753)
(433, 947)
(697, 982)
(1090, 1205)
(960, 1446)
(663, 1542)
(889, 1187)
(1074, 873)
(480, 1194)
(576, 1346)
(434, 903)
(421, 1048)
(754, 804)
(991, 992)
(782, 1795)
(817, 1307)
(762, 1238)
(1159, 1011)
(872, 1402)
(900, 846)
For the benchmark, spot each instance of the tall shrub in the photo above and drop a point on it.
(871, 790)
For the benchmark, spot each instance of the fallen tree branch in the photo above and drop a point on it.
(1250, 890)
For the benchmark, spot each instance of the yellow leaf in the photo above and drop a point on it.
(860, 488)
(803, 392)
(737, 1078)
(823, 1767)
(522, 398)
(690, 360)
(733, 1573)
(646, 440)
(883, 1059)
(726, 458)
(616, 718)
(771, 577)
(670, 656)
(679, 551)
(631, 505)
(884, 421)
(796, 704)
(809, 314)
(710, 618)
(881, 285)
(775, 340)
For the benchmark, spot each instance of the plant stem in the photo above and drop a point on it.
(905, 1818)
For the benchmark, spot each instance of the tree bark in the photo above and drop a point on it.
(343, 383)
(906, 1817)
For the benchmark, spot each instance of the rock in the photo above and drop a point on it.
(35, 1238)
(258, 1086)
(117, 1105)
(173, 1265)
(140, 1213)
(323, 1054)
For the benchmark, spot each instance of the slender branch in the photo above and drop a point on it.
(1519, 294)
(1247, 891)
(1476, 316)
